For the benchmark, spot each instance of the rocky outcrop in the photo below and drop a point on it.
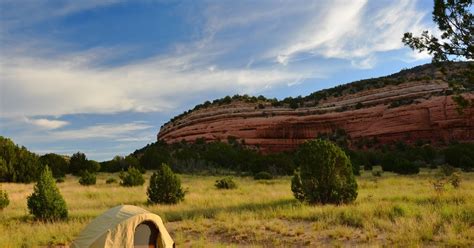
(409, 111)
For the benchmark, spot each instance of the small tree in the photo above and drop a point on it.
(87, 178)
(46, 202)
(165, 187)
(77, 163)
(110, 180)
(225, 183)
(133, 177)
(325, 175)
(455, 21)
(4, 201)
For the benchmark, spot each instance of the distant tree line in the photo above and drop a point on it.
(17, 164)
(234, 156)
(202, 157)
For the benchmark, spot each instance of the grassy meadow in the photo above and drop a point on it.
(389, 210)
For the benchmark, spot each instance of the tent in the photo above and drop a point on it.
(125, 226)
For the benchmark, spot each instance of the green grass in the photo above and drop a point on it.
(390, 210)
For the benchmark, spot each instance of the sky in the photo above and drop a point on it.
(101, 77)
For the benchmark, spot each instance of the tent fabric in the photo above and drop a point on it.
(116, 228)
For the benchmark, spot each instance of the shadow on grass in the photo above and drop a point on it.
(176, 215)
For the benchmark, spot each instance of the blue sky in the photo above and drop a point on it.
(101, 77)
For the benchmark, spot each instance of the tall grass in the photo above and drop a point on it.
(390, 210)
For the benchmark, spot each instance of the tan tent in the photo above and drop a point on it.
(125, 226)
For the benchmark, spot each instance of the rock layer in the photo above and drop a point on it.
(430, 115)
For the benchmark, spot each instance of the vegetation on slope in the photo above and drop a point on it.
(459, 73)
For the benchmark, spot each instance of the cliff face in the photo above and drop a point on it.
(409, 111)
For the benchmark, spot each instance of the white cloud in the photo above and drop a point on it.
(41, 86)
(352, 30)
(100, 131)
(47, 124)
(364, 63)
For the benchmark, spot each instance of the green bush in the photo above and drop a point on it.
(263, 175)
(110, 180)
(325, 175)
(133, 177)
(225, 183)
(4, 201)
(165, 187)
(87, 178)
(405, 167)
(377, 171)
(460, 155)
(46, 202)
(396, 163)
(60, 180)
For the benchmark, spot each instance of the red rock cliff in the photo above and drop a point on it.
(430, 115)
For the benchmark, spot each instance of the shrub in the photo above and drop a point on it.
(133, 177)
(263, 175)
(87, 178)
(461, 156)
(377, 171)
(404, 167)
(4, 201)
(165, 187)
(225, 183)
(46, 202)
(326, 174)
(110, 180)
(396, 163)
(60, 180)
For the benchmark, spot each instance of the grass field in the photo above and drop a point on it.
(391, 210)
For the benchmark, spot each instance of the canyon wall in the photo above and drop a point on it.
(428, 113)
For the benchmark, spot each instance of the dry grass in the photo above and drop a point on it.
(391, 210)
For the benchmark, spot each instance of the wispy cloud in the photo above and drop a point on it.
(39, 86)
(353, 30)
(44, 123)
(109, 131)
